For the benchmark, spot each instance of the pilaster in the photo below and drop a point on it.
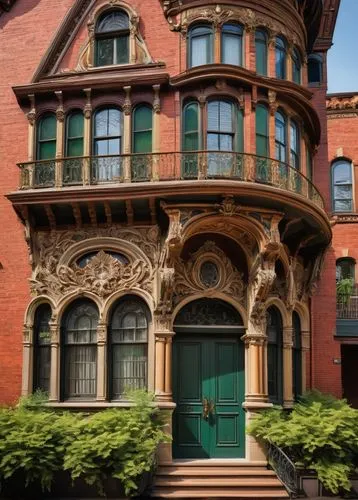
(127, 133)
(27, 362)
(101, 361)
(60, 117)
(87, 112)
(305, 348)
(287, 367)
(55, 363)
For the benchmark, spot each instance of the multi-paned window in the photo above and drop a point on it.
(46, 137)
(200, 40)
(274, 331)
(294, 145)
(261, 52)
(112, 38)
(231, 44)
(142, 129)
(280, 57)
(42, 348)
(79, 345)
(342, 186)
(107, 140)
(296, 357)
(74, 134)
(280, 137)
(128, 347)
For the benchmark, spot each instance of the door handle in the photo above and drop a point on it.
(208, 407)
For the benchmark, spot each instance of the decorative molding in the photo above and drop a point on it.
(87, 111)
(156, 100)
(127, 105)
(60, 113)
(342, 102)
(31, 115)
(344, 218)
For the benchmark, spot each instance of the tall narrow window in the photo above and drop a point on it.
(128, 347)
(296, 66)
(107, 140)
(315, 68)
(79, 338)
(296, 357)
(46, 137)
(345, 269)
(74, 134)
(294, 145)
(220, 130)
(274, 355)
(142, 129)
(280, 137)
(231, 44)
(191, 127)
(342, 186)
(309, 169)
(42, 348)
(112, 38)
(280, 57)
(200, 50)
(261, 52)
(262, 134)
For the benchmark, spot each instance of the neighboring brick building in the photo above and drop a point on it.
(172, 212)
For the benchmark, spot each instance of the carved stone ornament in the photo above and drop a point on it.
(103, 274)
(228, 206)
(188, 277)
(26, 334)
(342, 103)
(208, 312)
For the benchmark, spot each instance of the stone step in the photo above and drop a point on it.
(227, 482)
(210, 471)
(219, 492)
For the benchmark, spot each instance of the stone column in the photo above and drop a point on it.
(55, 363)
(163, 358)
(156, 133)
(60, 116)
(101, 362)
(305, 349)
(159, 366)
(87, 112)
(127, 134)
(256, 393)
(287, 367)
(27, 361)
(168, 366)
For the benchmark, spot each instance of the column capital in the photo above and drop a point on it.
(27, 335)
(254, 339)
(287, 337)
(54, 333)
(101, 333)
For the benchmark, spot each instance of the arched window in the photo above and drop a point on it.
(294, 145)
(280, 137)
(74, 134)
(296, 66)
(342, 186)
(345, 269)
(191, 127)
(200, 46)
(261, 52)
(142, 129)
(42, 348)
(296, 357)
(274, 355)
(79, 340)
(107, 140)
(315, 68)
(262, 130)
(231, 44)
(128, 347)
(280, 57)
(112, 38)
(46, 137)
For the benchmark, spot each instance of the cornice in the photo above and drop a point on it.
(343, 104)
(327, 25)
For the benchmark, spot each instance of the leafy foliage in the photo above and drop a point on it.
(344, 289)
(321, 433)
(119, 443)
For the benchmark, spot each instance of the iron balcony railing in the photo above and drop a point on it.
(347, 304)
(112, 169)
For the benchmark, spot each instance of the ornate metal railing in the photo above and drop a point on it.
(347, 304)
(285, 470)
(89, 170)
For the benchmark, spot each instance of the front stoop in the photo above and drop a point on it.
(212, 480)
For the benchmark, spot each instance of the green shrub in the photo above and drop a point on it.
(321, 433)
(118, 443)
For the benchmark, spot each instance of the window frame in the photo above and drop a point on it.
(69, 116)
(276, 349)
(187, 104)
(352, 264)
(282, 145)
(262, 43)
(225, 31)
(38, 347)
(107, 137)
(260, 135)
(210, 44)
(281, 48)
(317, 58)
(135, 110)
(114, 36)
(40, 141)
(334, 165)
(295, 154)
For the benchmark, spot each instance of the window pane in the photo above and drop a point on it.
(308, 163)
(75, 125)
(142, 118)
(81, 370)
(101, 147)
(280, 55)
(200, 50)
(261, 145)
(75, 147)
(261, 53)
(294, 144)
(114, 146)
(213, 115)
(105, 51)
(47, 150)
(122, 44)
(240, 131)
(343, 205)
(343, 192)
(225, 142)
(191, 121)
(225, 116)
(232, 49)
(114, 21)
(296, 67)
(47, 128)
(342, 173)
(261, 120)
(314, 68)
(129, 368)
(100, 123)
(142, 142)
(191, 142)
(114, 122)
(213, 142)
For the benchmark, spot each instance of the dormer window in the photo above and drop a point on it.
(112, 38)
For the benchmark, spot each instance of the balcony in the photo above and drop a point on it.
(347, 313)
(86, 171)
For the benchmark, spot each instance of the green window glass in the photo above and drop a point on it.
(294, 145)
(46, 137)
(231, 44)
(274, 331)
(262, 133)
(112, 39)
(296, 66)
(142, 129)
(296, 357)
(261, 52)
(74, 134)
(280, 58)
(191, 127)
(200, 49)
(42, 348)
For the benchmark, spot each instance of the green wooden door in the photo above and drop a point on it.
(211, 368)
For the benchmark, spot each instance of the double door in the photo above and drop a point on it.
(208, 376)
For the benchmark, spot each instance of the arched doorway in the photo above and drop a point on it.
(208, 381)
